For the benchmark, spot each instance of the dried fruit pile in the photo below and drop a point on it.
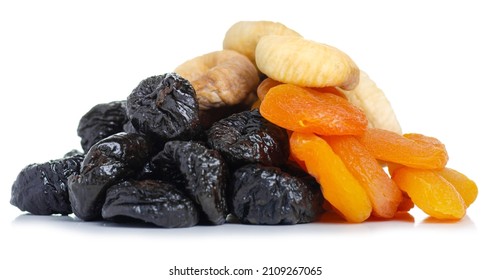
(274, 129)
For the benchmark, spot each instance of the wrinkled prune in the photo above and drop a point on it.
(164, 107)
(247, 137)
(210, 116)
(73, 153)
(41, 189)
(201, 172)
(101, 121)
(151, 201)
(267, 195)
(110, 160)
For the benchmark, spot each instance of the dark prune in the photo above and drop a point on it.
(73, 153)
(41, 189)
(267, 195)
(210, 116)
(101, 121)
(151, 201)
(129, 128)
(201, 172)
(164, 107)
(110, 160)
(247, 137)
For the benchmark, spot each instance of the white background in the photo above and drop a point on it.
(59, 58)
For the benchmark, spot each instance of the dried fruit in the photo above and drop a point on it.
(150, 201)
(201, 173)
(413, 150)
(41, 189)
(406, 204)
(338, 185)
(243, 36)
(305, 110)
(294, 60)
(431, 193)
(164, 107)
(221, 78)
(383, 193)
(101, 121)
(265, 86)
(109, 161)
(464, 185)
(331, 90)
(247, 137)
(209, 117)
(374, 103)
(313, 100)
(267, 195)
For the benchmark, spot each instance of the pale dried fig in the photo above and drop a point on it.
(371, 99)
(243, 36)
(294, 60)
(221, 78)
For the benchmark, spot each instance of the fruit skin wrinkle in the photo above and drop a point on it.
(266, 195)
(294, 60)
(243, 36)
(221, 78)
(327, 114)
(372, 100)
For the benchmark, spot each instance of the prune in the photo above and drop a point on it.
(151, 201)
(41, 189)
(247, 137)
(201, 172)
(73, 153)
(210, 116)
(129, 128)
(266, 195)
(110, 160)
(101, 121)
(164, 107)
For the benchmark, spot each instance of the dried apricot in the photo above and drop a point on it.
(381, 190)
(338, 185)
(413, 150)
(465, 186)
(309, 111)
(431, 193)
(406, 204)
(332, 90)
(265, 86)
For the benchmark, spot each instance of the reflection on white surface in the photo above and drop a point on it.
(329, 224)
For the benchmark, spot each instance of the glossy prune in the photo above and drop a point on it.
(73, 153)
(109, 161)
(247, 137)
(266, 195)
(41, 189)
(210, 116)
(164, 107)
(101, 121)
(200, 172)
(150, 201)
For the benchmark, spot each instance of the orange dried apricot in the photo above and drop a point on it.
(269, 83)
(381, 190)
(431, 193)
(338, 185)
(465, 186)
(413, 150)
(332, 90)
(265, 86)
(256, 104)
(309, 111)
(406, 204)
